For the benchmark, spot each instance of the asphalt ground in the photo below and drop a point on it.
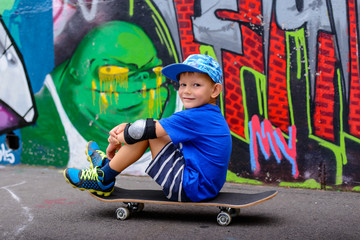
(37, 203)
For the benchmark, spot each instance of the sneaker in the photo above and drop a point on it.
(94, 155)
(89, 179)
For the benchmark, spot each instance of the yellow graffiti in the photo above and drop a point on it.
(103, 102)
(151, 101)
(144, 90)
(110, 77)
(111, 91)
(93, 89)
(157, 71)
(110, 74)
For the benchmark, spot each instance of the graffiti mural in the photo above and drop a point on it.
(109, 73)
(17, 105)
(16, 110)
(291, 81)
(291, 69)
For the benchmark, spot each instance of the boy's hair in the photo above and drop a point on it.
(191, 73)
(195, 63)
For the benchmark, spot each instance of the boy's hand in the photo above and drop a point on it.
(118, 129)
(115, 139)
(111, 150)
(116, 134)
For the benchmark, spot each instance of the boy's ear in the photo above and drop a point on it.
(217, 88)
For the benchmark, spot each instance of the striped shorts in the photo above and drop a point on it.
(167, 170)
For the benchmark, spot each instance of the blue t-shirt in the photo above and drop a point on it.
(206, 141)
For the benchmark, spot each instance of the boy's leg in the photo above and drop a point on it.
(157, 144)
(167, 168)
(127, 155)
(102, 180)
(130, 153)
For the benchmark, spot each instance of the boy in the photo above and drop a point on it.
(190, 149)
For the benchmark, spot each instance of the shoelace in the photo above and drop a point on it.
(102, 154)
(90, 174)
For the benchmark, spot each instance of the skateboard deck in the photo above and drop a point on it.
(229, 203)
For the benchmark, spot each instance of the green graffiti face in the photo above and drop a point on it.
(113, 77)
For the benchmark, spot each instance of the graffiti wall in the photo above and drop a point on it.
(72, 70)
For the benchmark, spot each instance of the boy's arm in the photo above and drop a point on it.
(160, 131)
(114, 144)
(111, 150)
(117, 134)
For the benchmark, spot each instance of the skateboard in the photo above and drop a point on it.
(229, 203)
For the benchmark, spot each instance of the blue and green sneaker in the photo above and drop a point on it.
(94, 155)
(89, 179)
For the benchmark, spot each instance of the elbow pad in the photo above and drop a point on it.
(139, 131)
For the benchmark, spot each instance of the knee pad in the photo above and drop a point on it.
(139, 131)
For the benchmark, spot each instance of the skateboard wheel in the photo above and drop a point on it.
(223, 218)
(122, 213)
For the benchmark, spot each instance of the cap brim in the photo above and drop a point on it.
(173, 70)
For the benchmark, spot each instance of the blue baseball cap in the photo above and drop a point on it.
(195, 63)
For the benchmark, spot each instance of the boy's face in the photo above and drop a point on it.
(196, 89)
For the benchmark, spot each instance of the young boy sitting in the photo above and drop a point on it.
(190, 149)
